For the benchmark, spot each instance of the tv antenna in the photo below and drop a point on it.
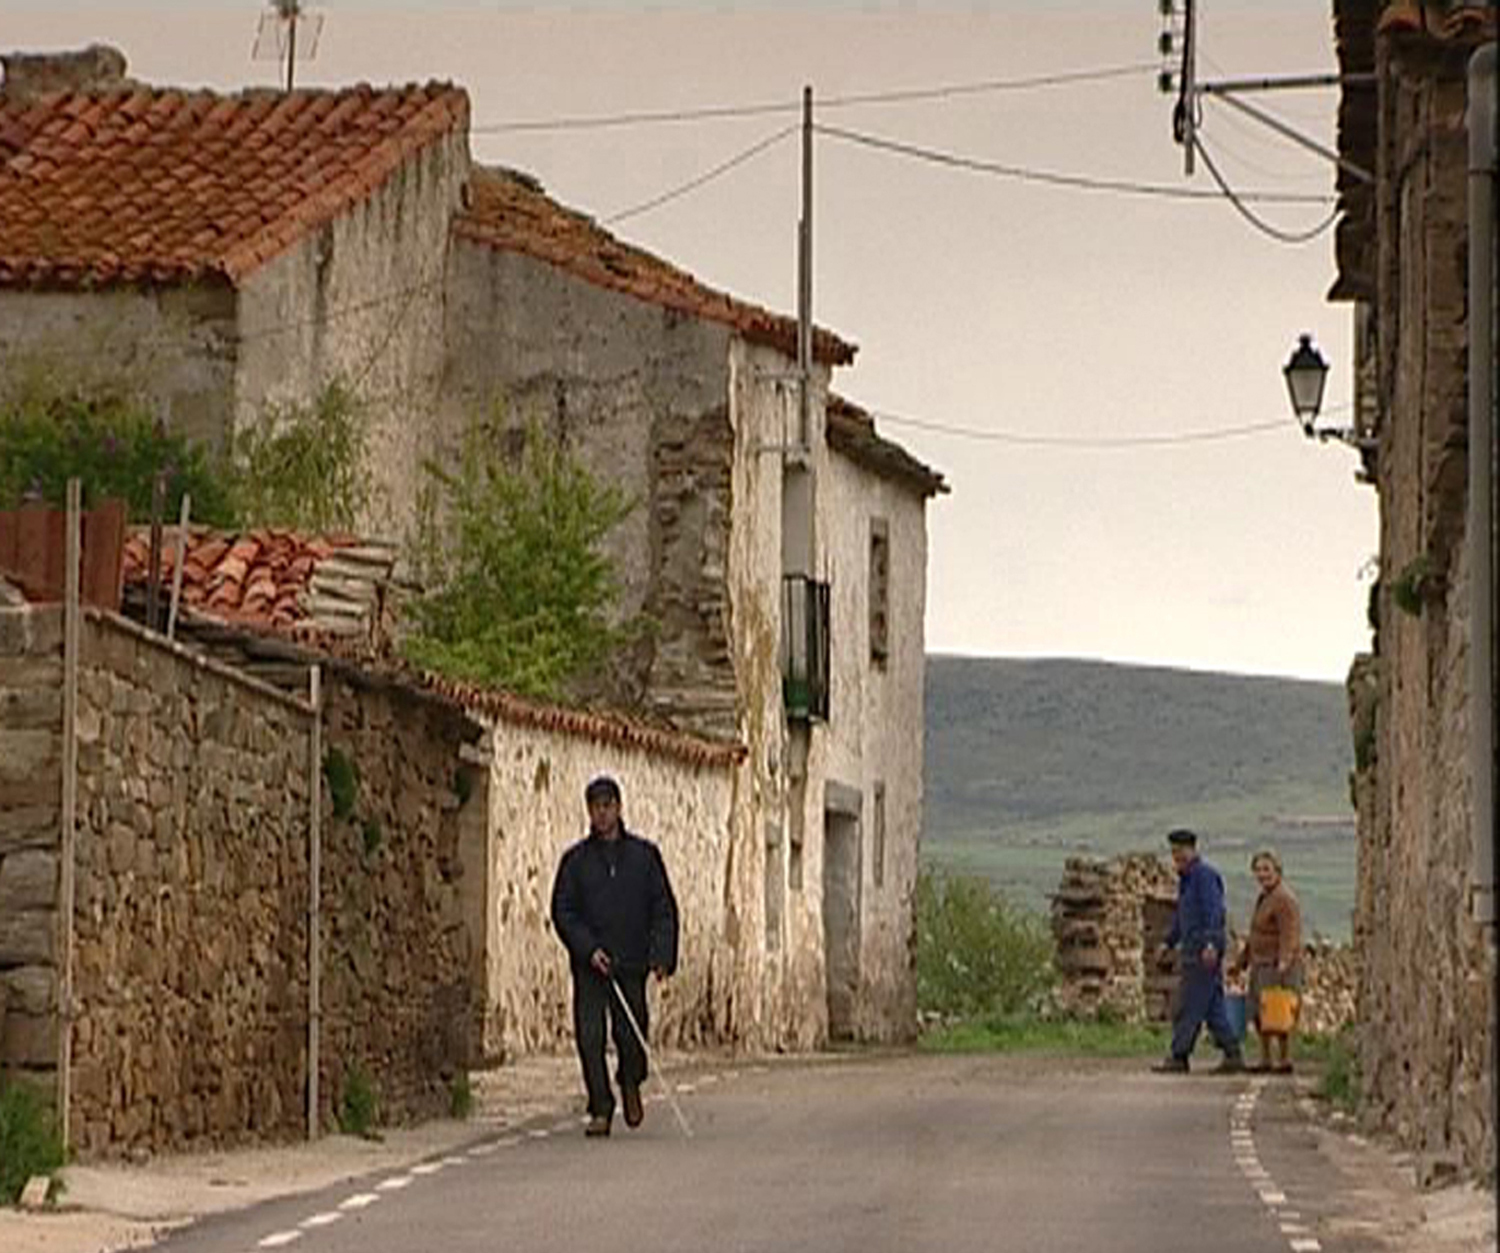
(288, 33)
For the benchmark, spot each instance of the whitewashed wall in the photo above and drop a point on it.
(537, 780)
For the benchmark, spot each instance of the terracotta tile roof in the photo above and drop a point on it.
(510, 212)
(273, 581)
(153, 185)
(851, 431)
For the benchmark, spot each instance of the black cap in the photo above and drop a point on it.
(602, 789)
(1182, 836)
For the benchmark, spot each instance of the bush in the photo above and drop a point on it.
(303, 466)
(29, 1143)
(520, 595)
(977, 954)
(114, 446)
(359, 1104)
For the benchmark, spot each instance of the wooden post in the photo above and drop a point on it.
(314, 893)
(153, 569)
(67, 854)
(182, 543)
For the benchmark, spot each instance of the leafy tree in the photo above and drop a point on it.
(521, 592)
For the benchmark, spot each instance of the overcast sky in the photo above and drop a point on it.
(990, 304)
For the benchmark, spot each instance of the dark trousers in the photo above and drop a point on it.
(1201, 1002)
(593, 999)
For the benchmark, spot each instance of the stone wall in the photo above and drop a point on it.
(31, 724)
(641, 395)
(404, 915)
(1426, 969)
(192, 897)
(190, 927)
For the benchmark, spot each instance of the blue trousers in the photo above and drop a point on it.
(1201, 1002)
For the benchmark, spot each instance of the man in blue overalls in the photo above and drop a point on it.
(1199, 934)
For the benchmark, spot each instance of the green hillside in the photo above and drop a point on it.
(1029, 762)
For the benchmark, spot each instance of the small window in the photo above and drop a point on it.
(880, 590)
(877, 856)
(775, 886)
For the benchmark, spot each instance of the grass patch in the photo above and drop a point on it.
(1065, 1037)
(1338, 1058)
(29, 1143)
(359, 1105)
(461, 1095)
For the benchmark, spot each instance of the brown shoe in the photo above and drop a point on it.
(634, 1110)
(598, 1126)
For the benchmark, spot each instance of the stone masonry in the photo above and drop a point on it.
(30, 838)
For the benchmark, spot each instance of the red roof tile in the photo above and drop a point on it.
(511, 213)
(267, 580)
(132, 185)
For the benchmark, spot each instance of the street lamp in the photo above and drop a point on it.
(1306, 373)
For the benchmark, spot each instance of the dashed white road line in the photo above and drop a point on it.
(1246, 1157)
(360, 1200)
(426, 1168)
(277, 1239)
(320, 1220)
(395, 1183)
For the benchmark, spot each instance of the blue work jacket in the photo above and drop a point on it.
(1199, 920)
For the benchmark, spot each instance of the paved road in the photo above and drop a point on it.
(904, 1154)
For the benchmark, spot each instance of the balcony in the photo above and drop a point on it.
(805, 619)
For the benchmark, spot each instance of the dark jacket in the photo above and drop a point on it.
(614, 895)
(1200, 919)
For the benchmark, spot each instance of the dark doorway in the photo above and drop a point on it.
(841, 901)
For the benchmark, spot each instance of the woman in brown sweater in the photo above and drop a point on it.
(1274, 955)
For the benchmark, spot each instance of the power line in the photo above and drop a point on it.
(1238, 201)
(1053, 178)
(724, 167)
(705, 113)
(1083, 441)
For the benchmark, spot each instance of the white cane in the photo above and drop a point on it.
(641, 1040)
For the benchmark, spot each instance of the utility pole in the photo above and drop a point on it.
(1187, 100)
(804, 281)
(290, 11)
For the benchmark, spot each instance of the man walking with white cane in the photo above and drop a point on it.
(613, 908)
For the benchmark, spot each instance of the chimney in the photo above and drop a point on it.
(32, 74)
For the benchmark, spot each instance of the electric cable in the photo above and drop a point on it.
(1053, 178)
(724, 167)
(648, 117)
(1100, 442)
(1244, 210)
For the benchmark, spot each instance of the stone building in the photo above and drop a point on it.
(265, 245)
(1423, 921)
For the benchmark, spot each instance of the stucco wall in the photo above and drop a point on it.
(1426, 978)
(173, 348)
(537, 812)
(641, 395)
(875, 736)
(361, 299)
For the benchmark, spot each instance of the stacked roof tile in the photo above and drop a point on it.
(510, 212)
(273, 580)
(150, 185)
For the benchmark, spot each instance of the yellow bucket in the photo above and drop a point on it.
(1278, 1010)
